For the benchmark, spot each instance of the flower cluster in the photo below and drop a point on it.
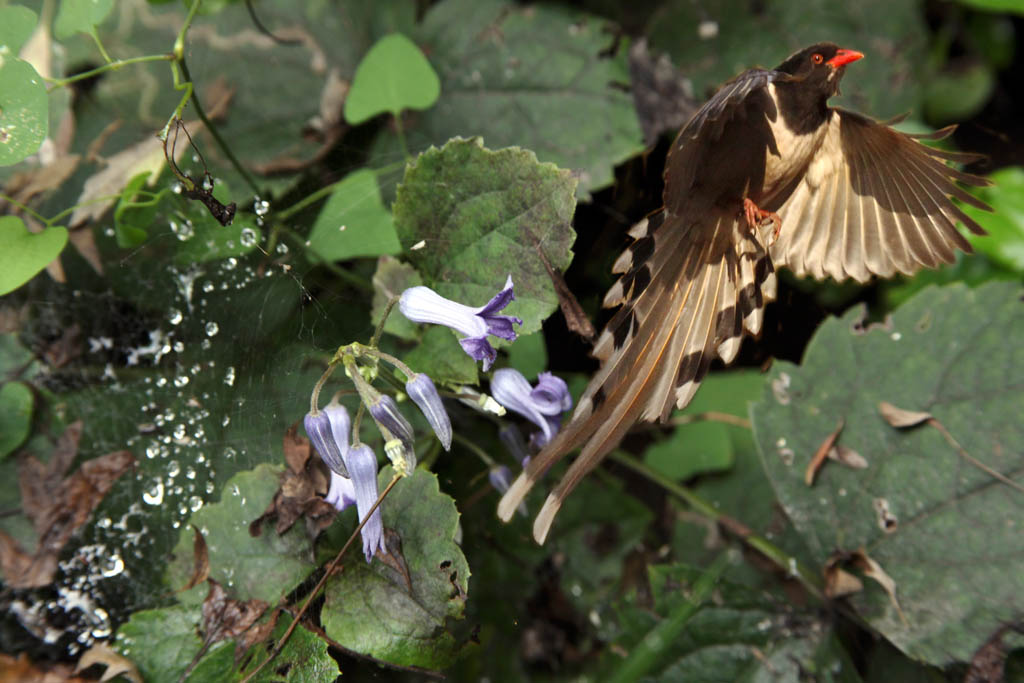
(542, 405)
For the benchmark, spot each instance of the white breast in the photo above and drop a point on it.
(791, 155)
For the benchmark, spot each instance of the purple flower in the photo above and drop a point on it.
(362, 463)
(424, 305)
(422, 391)
(342, 492)
(385, 411)
(542, 405)
(328, 432)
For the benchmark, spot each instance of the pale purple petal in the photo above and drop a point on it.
(362, 464)
(510, 389)
(551, 395)
(385, 411)
(422, 391)
(424, 305)
(342, 492)
(328, 432)
(479, 348)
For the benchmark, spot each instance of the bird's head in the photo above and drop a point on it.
(820, 66)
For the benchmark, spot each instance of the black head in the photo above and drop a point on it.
(820, 66)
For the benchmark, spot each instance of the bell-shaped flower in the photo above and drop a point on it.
(385, 412)
(341, 493)
(424, 305)
(362, 464)
(422, 391)
(328, 432)
(542, 405)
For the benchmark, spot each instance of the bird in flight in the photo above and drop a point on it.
(765, 174)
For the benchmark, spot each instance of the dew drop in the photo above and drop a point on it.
(212, 329)
(248, 237)
(175, 316)
(194, 503)
(155, 494)
(112, 566)
(181, 381)
(173, 468)
(229, 376)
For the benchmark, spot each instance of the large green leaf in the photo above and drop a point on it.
(944, 530)
(1004, 243)
(162, 642)
(370, 609)
(15, 416)
(544, 77)
(80, 16)
(394, 75)
(16, 25)
(710, 42)
(496, 210)
(24, 253)
(23, 110)
(265, 567)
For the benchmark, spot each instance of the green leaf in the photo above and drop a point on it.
(547, 78)
(529, 355)
(709, 446)
(162, 642)
(304, 658)
(368, 607)
(134, 214)
(948, 538)
(394, 75)
(24, 253)
(497, 210)
(439, 355)
(80, 16)
(1015, 6)
(957, 95)
(354, 221)
(266, 567)
(391, 279)
(15, 416)
(23, 110)
(16, 26)
(13, 356)
(1004, 243)
(709, 41)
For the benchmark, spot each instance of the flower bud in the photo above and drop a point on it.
(362, 463)
(385, 411)
(424, 394)
(328, 432)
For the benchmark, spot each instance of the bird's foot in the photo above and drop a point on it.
(757, 218)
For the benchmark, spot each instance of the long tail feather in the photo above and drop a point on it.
(689, 290)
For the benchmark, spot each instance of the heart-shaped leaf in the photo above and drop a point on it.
(394, 75)
(24, 253)
(80, 16)
(354, 222)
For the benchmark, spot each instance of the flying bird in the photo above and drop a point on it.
(765, 174)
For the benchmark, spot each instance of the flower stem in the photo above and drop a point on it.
(112, 66)
(380, 330)
(314, 398)
(323, 581)
(475, 450)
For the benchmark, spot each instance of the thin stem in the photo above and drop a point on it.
(476, 450)
(380, 330)
(24, 208)
(788, 563)
(221, 142)
(314, 398)
(401, 133)
(649, 651)
(323, 580)
(99, 44)
(112, 66)
(179, 41)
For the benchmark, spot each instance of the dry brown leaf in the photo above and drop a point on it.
(22, 187)
(871, 569)
(575, 318)
(840, 583)
(200, 560)
(900, 418)
(302, 484)
(394, 558)
(116, 664)
(847, 456)
(224, 617)
(57, 506)
(819, 457)
(20, 669)
(988, 665)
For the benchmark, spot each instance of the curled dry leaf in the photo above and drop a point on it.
(819, 457)
(302, 484)
(847, 456)
(21, 669)
(116, 665)
(200, 558)
(575, 318)
(57, 506)
(900, 418)
(841, 582)
(224, 617)
(393, 557)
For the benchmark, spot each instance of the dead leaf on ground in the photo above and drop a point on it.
(900, 418)
(988, 665)
(68, 347)
(303, 483)
(57, 506)
(847, 456)
(837, 579)
(24, 186)
(116, 665)
(394, 558)
(575, 318)
(819, 457)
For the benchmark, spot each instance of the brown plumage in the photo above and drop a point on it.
(854, 198)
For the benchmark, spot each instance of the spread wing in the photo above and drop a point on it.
(874, 201)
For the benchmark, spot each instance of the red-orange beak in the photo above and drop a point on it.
(844, 57)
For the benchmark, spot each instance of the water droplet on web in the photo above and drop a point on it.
(178, 347)
(154, 495)
(194, 503)
(231, 263)
(282, 248)
(180, 381)
(184, 231)
(162, 382)
(190, 473)
(112, 566)
(226, 421)
(248, 237)
(229, 376)
(173, 469)
(207, 183)
(209, 487)
(174, 316)
(208, 286)
(260, 207)
(212, 329)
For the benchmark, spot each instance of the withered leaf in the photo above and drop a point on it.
(57, 506)
(116, 664)
(21, 669)
(224, 617)
(302, 484)
(839, 582)
(847, 456)
(575, 318)
(900, 418)
(394, 558)
(200, 558)
(988, 665)
(819, 457)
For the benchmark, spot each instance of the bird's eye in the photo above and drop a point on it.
(817, 58)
